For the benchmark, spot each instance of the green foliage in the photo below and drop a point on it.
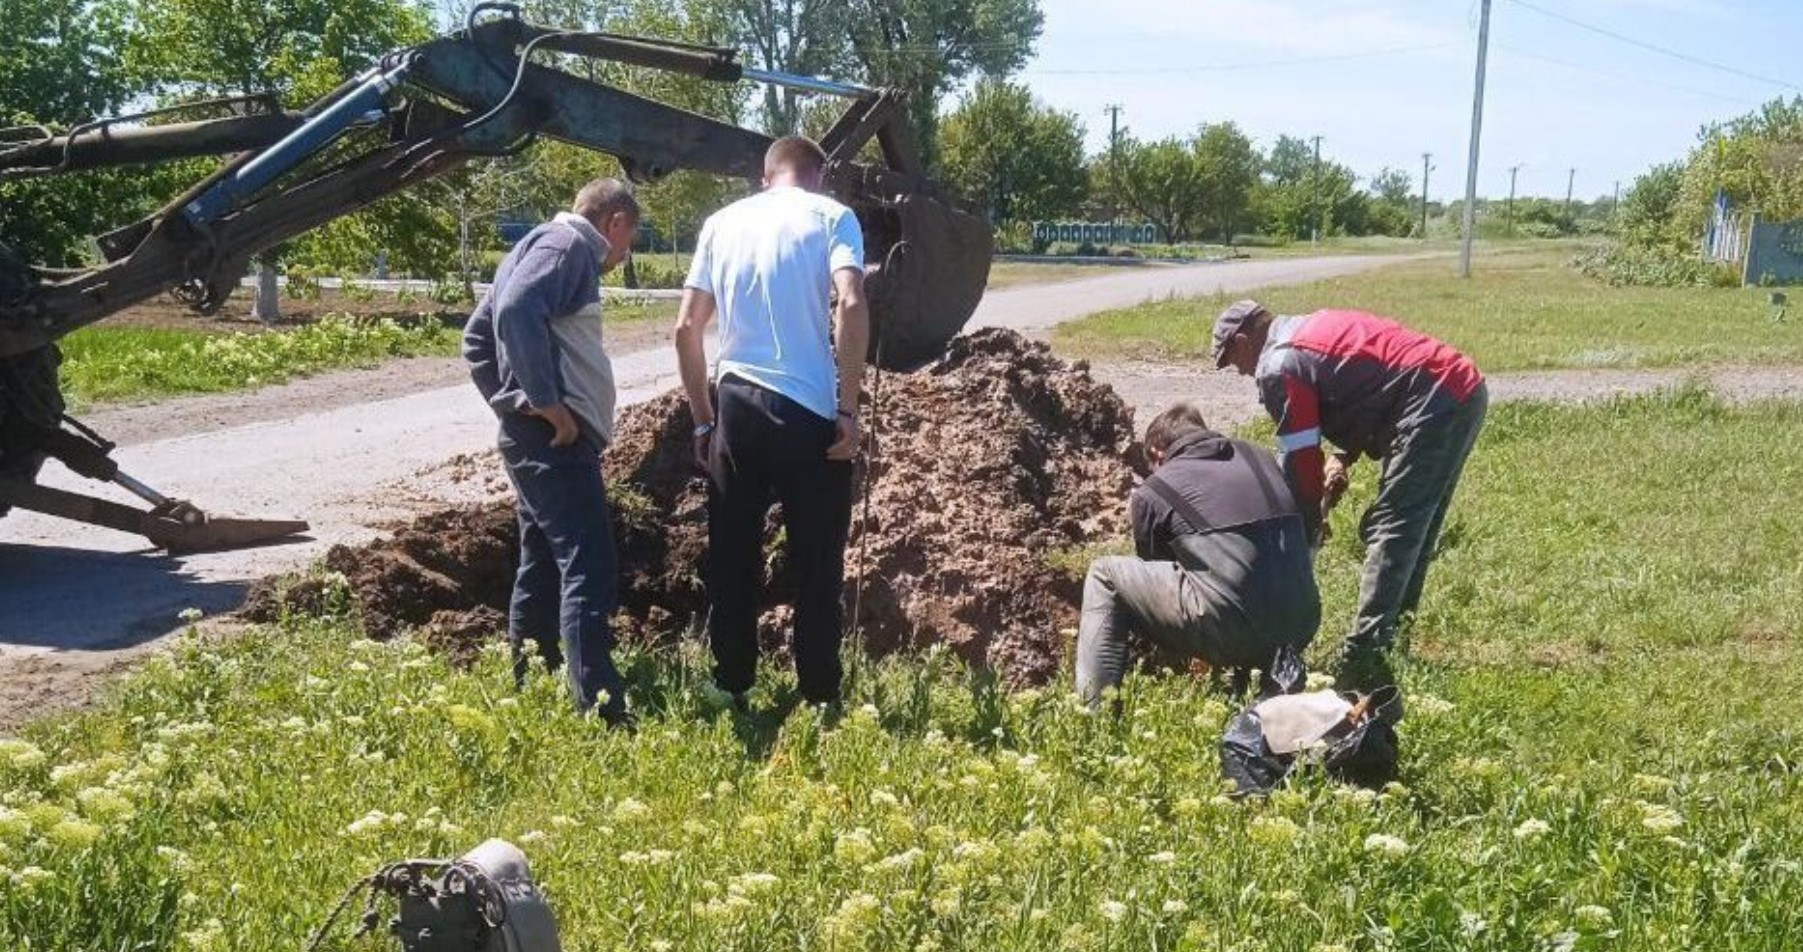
(60, 64)
(302, 284)
(1517, 312)
(1619, 264)
(1648, 218)
(650, 272)
(126, 362)
(450, 294)
(60, 60)
(1161, 183)
(1756, 160)
(299, 48)
(1584, 764)
(927, 46)
(1006, 154)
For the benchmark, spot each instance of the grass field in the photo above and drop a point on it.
(1521, 310)
(1602, 752)
(128, 362)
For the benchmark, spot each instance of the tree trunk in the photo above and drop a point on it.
(268, 305)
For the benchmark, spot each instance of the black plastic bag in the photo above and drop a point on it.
(1361, 751)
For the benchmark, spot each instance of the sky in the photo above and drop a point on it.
(1382, 81)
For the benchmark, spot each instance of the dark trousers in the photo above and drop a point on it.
(1402, 527)
(567, 587)
(766, 446)
(1180, 613)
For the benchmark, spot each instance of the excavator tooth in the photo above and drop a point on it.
(217, 533)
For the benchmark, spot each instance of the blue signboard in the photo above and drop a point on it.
(1775, 253)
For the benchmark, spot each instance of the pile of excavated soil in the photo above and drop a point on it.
(989, 462)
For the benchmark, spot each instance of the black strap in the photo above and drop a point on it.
(1175, 500)
(1273, 500)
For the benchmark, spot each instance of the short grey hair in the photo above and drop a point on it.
(605, 197)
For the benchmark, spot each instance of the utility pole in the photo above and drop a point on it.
(1315, 197)
(1477, 125)
(1114, 168)
(1510, 212)
(1427, 159)
(1571, 177)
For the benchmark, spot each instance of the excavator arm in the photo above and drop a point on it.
(478, 92)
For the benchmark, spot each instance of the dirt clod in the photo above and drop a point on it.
(988, 463)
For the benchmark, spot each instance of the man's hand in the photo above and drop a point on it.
(563, 423)
(845, 446)
(1334, 482)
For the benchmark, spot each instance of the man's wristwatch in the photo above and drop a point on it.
(704, 429)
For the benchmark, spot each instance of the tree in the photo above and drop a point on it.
(301, 49)
(61, 64)
(927, 46)
(1392, 205)
(1649, 215)
(1162, 183)
(1016, 159)
(1227, 165)
(1393, 186)
(791, 36)
(1292, 160)
(298, 50)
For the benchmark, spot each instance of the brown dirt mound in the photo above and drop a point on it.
(990, 461)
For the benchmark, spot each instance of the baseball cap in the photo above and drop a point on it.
(1238, 316)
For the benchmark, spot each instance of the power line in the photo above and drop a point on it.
(1227, 67)
(1622, 77)
(1654, 47)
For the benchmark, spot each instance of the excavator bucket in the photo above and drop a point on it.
(928, 282)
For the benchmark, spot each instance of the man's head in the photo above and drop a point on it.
(796, 161)
(1169, 427)
(1240, 334)
(608, 204)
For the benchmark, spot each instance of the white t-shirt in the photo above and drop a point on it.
(768, 260)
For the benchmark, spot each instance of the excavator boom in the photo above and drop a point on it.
(478, 92)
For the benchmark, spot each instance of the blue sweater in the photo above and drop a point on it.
(530, 344)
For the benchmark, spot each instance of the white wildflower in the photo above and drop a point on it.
(1384, 844)
(1531, 829)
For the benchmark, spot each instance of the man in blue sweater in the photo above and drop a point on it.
(534, 349)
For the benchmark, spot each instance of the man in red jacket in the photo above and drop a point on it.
(1372, 388)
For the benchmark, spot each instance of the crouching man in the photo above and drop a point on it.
(534, 350)
(1224, 572)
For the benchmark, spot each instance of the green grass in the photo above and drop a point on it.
(109, 363)
(1602, 753)
(126, 363)
(1520, 311)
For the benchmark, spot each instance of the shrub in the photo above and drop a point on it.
(1619, 265)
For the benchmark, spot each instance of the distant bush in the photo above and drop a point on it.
(1016, 238)
(1620, 265)
(651, 275)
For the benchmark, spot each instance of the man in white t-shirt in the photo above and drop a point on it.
(780, 421)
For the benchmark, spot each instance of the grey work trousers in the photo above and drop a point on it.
(1166, 603)
(1403, 525)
